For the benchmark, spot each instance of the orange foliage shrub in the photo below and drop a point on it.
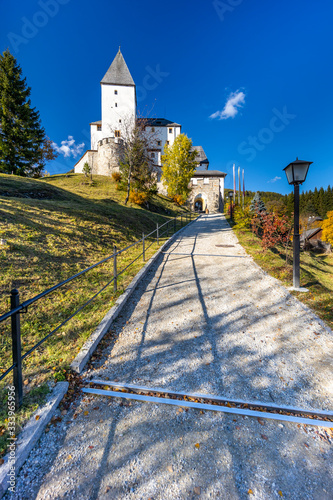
(179, 199)
(138, 197)
(116, 177)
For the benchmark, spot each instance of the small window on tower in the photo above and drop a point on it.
(115, 105)
(153, 155)
(117, 133)
(158, 143)
(119, 121)
(116, 92)
(153, 129)
(99, 127)
(170, 130)
(167, 142)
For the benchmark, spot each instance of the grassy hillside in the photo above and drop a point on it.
(54, 228)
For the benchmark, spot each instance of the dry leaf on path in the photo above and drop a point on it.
(197, 445)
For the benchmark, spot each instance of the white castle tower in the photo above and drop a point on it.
(118, 102)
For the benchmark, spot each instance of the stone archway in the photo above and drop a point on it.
(200, 202)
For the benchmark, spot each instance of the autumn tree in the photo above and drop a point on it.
(137, 169)
(24, 147)
(178, 166)
(327, 227)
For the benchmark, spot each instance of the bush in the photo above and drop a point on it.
(116, 177)
(242, 217)
(138, 197)
(179, 199)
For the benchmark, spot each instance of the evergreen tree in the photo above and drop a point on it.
(257, 205)
(24, 147)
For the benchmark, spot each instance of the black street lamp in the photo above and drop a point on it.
(296, 173)
(230, 194)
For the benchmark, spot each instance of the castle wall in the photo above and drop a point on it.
(89, 157)
(118, 110)
(211, 190)
(109, 151)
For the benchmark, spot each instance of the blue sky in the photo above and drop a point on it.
(250, 81)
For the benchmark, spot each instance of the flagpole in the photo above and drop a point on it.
(239, 187)
(234, 175)
(243, 188)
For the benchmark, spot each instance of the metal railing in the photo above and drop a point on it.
(17, 308)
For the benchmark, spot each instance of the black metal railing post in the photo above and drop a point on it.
(114, 268)
(174, 224)
(16, 348)
(167, 229)
(181, 220)
(143, 247)
(157, 235)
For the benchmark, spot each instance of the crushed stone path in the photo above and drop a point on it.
(205, 319)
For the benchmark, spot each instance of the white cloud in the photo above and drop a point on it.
(274, 180)
(231, 108)
(69, 148)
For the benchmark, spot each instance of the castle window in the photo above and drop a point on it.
(117, 133)
(119, 121)
(158, 143)
(116, 92)
(115, 105)
(99, 127)
(167, 142)
(170, 130)
(153, 155)
(153, 129)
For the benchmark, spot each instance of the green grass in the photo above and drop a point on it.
(316, 272)
(54, 228)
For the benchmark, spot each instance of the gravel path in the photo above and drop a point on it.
(205, 319)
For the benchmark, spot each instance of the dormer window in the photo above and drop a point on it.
(116, 92)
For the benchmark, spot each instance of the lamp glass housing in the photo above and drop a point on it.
(230, 194)
(297, 171)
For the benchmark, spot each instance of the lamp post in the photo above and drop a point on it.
(230, 194)
(296, 173)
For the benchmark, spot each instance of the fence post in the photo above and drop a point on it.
(16, 348)
(143, 247)
(157, 235)
(114, 268)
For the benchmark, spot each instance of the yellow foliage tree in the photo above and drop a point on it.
(327, 227)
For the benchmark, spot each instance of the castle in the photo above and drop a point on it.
(119, 113)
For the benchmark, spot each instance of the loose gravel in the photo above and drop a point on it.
(205, 319)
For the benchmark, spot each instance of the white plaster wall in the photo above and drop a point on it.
(125, 110)
(89, 157)
(95, 135)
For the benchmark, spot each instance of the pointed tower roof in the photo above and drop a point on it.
(118, 73)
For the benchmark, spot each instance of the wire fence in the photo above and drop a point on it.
(17, 308)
